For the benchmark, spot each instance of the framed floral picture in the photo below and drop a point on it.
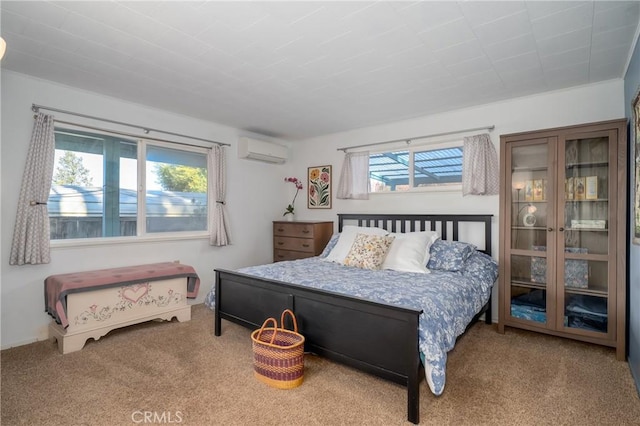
(319, 188)
(635, 141)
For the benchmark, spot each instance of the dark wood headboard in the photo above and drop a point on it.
(421, 222)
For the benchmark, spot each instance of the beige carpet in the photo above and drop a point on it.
(179, 373)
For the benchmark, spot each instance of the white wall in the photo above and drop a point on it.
(592, 103)
(256, 196)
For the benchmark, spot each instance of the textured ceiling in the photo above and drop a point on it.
(301, 69)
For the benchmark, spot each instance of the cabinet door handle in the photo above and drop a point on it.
(280, 230)
(305, 245)
(305, 231)
(561, 229)
(280, 243)
(550, 229)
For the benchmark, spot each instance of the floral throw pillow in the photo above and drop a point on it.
(348, 235)
(449, 255)
(368, 251)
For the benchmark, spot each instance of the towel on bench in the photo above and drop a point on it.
(56, 287)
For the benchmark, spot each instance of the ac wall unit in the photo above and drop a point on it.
(255, 149)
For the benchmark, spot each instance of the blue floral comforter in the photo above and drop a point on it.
(449, 300)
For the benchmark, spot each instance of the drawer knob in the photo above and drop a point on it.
(305, 245)
(305, 231)
(280, 243)
(280, 230)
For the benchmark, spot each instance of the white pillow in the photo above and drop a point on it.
(409, 252)
(346, 239)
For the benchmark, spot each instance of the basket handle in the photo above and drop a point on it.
(275, 329)
(293, 318)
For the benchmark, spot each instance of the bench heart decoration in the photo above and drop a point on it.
(135, 292)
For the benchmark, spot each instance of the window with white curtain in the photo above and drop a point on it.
(419, 168)
(107, 186)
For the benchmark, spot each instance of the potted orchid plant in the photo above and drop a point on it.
(289, 211)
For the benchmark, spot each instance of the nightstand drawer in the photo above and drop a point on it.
(299, 230)
(291, 243)
(279, 255)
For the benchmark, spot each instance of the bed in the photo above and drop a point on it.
(359, 324)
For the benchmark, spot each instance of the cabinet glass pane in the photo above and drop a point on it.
(529, 182)
(586, 233)
(586, 312)
(528, 288)
(594, 241)
(586, 291)
(586, 211)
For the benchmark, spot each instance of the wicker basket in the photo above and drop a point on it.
(278, 354)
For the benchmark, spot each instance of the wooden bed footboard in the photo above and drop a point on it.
(333, 326)
(376, 338)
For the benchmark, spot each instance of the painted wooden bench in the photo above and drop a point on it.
(89, 304)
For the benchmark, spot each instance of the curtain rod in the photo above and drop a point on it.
(408, 140)
(146, 130)
(127, 134)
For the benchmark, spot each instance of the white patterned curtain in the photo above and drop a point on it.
(30, 243)
(354, 179)
(480, 167)
(218, 225)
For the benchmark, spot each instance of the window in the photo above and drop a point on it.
(180, 201)
(102, 189)
(405, 170)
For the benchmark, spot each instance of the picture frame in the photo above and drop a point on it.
(579, 184)
(635, 143)
(319, 187)
(528, 190)
(569, 192)
(538, 190)
(591, 188)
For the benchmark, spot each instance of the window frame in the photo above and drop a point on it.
(411, 149)
(141, 233)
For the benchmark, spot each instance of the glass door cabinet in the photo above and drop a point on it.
(562, 232)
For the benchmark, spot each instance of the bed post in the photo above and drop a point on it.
(413, 380)
(487, 313)
(216, 318)
(487, 235)
(413, 396)
(487, 247)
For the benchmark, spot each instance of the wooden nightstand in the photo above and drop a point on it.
(297, 240)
